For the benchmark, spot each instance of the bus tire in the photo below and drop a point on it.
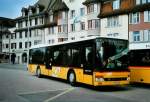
(38, 72)
(72, 78)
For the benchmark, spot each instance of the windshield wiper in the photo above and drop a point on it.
(117, 56)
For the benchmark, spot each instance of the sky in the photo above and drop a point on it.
(12, 8)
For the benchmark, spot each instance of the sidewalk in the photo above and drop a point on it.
(13, 66)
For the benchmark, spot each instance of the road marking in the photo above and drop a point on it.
(26, 93)
(65, 92)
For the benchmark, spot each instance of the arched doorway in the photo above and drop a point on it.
(24, 58)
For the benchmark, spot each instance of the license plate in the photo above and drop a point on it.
(117, 83)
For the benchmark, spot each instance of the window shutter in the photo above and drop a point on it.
(141, 35)
(145, 35)
(131, 37)
(145, 16)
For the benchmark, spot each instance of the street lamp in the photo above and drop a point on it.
(28, 37)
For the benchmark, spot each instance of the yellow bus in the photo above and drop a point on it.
(94, 61)
(140, 65)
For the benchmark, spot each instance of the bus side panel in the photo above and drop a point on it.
(88, 79)
(59, 72)
(44, 71)
(32, 68)
(79, 75)
(140, 75)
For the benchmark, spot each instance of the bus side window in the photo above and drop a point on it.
(88, 59)
(67, 57)
(48, 58)
(89, 55)
(76, 59)
(56, 57)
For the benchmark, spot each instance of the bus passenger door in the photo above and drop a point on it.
(88, 56)
(48, 60)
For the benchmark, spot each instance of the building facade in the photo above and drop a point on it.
(37, 25)
(114, 18)
(139, 25)
(83, 20)
(5, 34)
(52, 21)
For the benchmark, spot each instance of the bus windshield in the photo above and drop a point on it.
(111, 54)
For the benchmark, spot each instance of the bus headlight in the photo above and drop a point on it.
(128, 78)
(99, 79)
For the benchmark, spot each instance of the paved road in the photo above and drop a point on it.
(17, 85)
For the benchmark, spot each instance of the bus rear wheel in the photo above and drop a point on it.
(72, 78)
(38, 73)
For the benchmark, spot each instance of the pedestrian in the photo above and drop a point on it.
(13, 56)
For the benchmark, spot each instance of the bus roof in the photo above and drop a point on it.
(72, 41)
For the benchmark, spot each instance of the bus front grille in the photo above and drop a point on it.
(115, 79)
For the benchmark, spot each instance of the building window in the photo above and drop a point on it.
(72, 13)
(26, 34)
(136, 36)
(20, 34)
(7, 36)
(90, 8)
(82, 11)
(64, 15)
(26, 23)
(20, 24)
(30, 22)
(59, 28)
(64, 28)
(60, 15)
(7, 46)
(72, 27)
(146, 35)
(30, 44)
(26, 44)
(20, 45)
(113, 21)
(82, 25)
(36, 42)
(12, 36)
(134, 18)
(51, 18)
(51, 41)
(51, 30)
(41, 20)
(13, 45)
(36, 21)
(146, 16)
(138, 2)
(97, 23)
(116, 4)
(143, 1)
(92, 24)
(30, 33)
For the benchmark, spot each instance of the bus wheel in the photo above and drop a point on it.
(38, 72)
(72, 78)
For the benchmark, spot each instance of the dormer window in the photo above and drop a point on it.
(116, 4)
(38, 9)
(30, 11)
